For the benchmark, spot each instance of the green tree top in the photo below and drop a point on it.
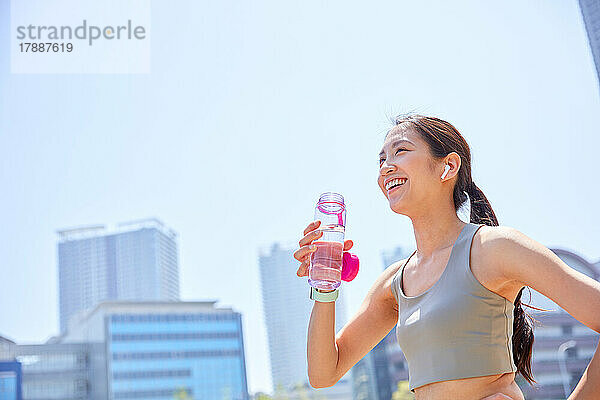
(402, 392)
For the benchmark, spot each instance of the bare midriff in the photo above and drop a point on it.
(471, 388)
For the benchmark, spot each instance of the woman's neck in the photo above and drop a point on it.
(436, 229)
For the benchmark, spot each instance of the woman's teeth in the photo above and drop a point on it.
(395, 182)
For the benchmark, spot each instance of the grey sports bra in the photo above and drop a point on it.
(456, 329)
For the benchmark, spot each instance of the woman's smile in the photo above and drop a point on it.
(394, 185)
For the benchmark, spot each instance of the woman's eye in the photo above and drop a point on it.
(381, 160)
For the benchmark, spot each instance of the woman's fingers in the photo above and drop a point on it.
(309, 237)
(312, 226)
(303, 269)
(304, 252)
(305, 245)
(306, 248)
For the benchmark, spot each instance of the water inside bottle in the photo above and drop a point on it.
(326, 262)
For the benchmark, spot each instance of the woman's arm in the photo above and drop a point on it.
(526, 262)
(522, 260)
(330, 356)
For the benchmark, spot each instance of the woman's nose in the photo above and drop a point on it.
(386, 168)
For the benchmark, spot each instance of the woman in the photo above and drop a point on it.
(456, 299)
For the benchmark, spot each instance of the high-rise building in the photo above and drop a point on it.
(287, 309)
(590, 9)
(137, 261)
(166, 350)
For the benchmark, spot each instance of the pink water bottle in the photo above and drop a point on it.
(325, 271)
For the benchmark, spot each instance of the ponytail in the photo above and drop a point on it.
(481, 210)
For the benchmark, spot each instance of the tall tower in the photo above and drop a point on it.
(287, 310)
(590, 9)
(137, 261)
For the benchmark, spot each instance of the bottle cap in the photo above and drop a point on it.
(349, 266)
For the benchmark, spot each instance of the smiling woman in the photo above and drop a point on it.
(456, 301)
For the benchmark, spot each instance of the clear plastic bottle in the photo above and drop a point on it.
(325, 271)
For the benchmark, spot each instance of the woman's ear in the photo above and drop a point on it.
(453, 161)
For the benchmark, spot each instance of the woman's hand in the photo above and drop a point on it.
(306, 249)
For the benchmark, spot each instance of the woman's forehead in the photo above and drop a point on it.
(402, 131)
(399, 133)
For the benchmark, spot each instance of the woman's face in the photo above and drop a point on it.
(408, 174)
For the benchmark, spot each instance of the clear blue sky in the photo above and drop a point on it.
(254, 108)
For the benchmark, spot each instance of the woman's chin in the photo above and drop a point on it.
(401, 212)
(398, 207)
(397, 203)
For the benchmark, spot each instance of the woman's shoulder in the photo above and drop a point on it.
(493, 248)
(495, 241)
(386, 279)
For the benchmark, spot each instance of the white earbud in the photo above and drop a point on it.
(446, 169)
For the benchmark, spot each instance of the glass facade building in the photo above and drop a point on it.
(60, 371)
(138, 261)
(161, 350)
(201, 354)
(10, 381)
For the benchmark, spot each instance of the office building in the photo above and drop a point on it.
(10, 380)
(59, 371)
(590, 10)
(287, 309)
(556, 329)
(136, 261)
(160, 350)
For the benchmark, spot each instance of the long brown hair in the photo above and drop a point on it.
(443, 138)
